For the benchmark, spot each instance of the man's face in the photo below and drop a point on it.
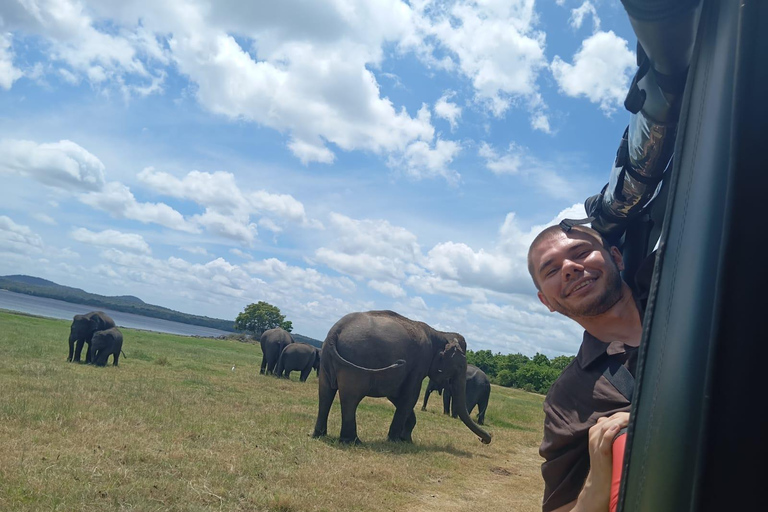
(576, 275)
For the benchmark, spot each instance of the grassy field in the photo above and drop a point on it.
(174, 428)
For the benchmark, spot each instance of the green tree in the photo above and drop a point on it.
(505, 378)
(483, 359)
(560, 362)
(259, 317)
(536, 377)
(540, 359)
(512, 362)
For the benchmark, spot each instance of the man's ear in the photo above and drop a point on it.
(544, 301)
(618, 259)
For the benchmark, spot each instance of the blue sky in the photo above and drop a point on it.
(326, 156)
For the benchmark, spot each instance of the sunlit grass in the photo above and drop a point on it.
(174, 428)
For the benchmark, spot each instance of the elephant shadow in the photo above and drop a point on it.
(390, 447)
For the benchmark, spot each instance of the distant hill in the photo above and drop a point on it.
(38, 287)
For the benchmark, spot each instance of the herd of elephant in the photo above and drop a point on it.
(374, 353)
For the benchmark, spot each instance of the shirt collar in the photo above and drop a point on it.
(592, 348)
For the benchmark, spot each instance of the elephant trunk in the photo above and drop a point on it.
(458, 389)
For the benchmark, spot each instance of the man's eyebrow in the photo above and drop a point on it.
(573, 248)
(545, 265)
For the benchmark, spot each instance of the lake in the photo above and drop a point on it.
(53, 308)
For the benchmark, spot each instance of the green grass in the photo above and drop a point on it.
(174, 429)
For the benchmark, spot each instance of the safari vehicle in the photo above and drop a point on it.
(697, 438)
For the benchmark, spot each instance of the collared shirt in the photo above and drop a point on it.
(580, 396)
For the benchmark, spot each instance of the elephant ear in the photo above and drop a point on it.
(443, 363)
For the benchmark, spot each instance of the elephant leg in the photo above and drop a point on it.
(482, 405)
(71, 350)
(263, 363)
(349, 402)
(326, 394)
(115, 357)
(410, 422)
(426, 399)
(79, 349)
(88, 354)
(447, 401)
(306, 371)
(404, 419)
(271, 364)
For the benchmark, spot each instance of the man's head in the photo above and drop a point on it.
(576, 273)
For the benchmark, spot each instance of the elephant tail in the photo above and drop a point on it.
(125, 356)
(335, 354)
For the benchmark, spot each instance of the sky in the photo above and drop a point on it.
(325, 156)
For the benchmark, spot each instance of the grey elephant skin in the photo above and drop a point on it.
(273, 341)
(81, 331)
(384, 354)
(298, 357)
(106, 343)
(477, 393)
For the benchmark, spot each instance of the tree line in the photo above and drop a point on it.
(535, 374)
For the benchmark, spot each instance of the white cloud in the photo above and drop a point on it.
(421, 161)
(448, 110)
(391, 289)
(579, 14)
(235, 227)
(112, 238)
(242, 254)
(45, 219)
(600, 71)
(118, 200)
(8, 73)
(289, 276)
(62, 164)
(16, 238)
(546, 175)
(495, 44)
(86, 51)
(195, 250)
(228, 206)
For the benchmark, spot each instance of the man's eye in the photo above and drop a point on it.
(583, 254)
(551, 272)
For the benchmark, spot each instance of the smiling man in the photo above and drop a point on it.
(578, 275)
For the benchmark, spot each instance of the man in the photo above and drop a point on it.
(578, 275)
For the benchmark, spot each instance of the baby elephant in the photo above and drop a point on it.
(298, 356)
(106, 343)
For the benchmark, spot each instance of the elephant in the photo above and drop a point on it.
(298, 356)
(81, 331)
(477, 393)
(106, 343)
(273, 341)
(384, 354)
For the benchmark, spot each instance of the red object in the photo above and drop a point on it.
(619, 442)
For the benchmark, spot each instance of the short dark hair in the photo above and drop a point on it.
(551, 232)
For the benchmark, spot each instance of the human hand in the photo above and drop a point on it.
(597, 489)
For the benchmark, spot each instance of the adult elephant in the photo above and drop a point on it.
(81, 331)
(477, 393)
(106, 343)
(300, 357)
(384, 354)
(273, 341)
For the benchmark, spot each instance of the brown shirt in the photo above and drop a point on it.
(579, 396)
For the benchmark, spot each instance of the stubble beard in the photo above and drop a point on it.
(606, 300)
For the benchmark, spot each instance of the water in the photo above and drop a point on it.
(53, 308)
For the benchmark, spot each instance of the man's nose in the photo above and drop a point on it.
(571, 269)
